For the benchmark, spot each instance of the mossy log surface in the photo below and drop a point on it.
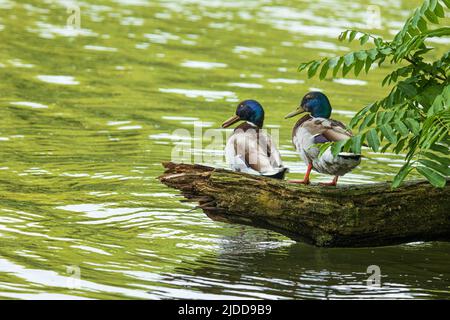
(343, 216)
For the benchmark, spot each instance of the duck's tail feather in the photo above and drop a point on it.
(277, 175)
(352, 156)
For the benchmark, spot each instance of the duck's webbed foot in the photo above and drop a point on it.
(330, 184)
(306, 179)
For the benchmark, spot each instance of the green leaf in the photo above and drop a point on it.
(313, 69)
(372, 140)
(401, 175)
(358, 67)
(303, 66)
(386, 51)
(361, 55)
(380, 117)
(439, 11)
(424, 7)
(368, 120)
(440, 148)
(422, 25)
(352, 36)
(408, 89)
(413, 125)
(441, 32)
(387, 131)
(388, 117)
(346, 69)
(441, 99)
(338, 66)
(343, 35)
(432, 136)
(323, 72)
(337, 146)
(378, 42)
(400, 126)
(349, 59)
(432, 5)
(364, 39)
(324, 147)
(444, 170)
(434, 177)
(399, 146)
(356, 144)
(385, 147)
(386, 80)
(447, 3)
(358, 116)
(431, 16)
(445, 161)
(372, 53)
(369, 62)
(333, 62)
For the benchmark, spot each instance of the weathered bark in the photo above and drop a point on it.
(346, 216)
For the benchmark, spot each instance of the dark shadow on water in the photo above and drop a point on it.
(256, 263)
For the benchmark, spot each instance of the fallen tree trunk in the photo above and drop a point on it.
(346, 216)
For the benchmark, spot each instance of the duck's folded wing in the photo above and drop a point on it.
(272, 150)
(339, 124)
(335, 131)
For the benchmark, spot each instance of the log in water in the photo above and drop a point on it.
(345, 216)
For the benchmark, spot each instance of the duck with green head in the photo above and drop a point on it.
(249, 149)
(316, 127)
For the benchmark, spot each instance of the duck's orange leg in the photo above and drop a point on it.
(332, 183)
(306, 178)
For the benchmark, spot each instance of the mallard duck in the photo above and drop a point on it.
(315, 128)
(249, 149)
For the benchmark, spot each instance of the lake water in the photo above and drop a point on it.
(87, 116)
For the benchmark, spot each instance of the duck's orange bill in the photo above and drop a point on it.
(230, 121)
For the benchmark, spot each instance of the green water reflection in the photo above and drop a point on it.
(86, 119)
